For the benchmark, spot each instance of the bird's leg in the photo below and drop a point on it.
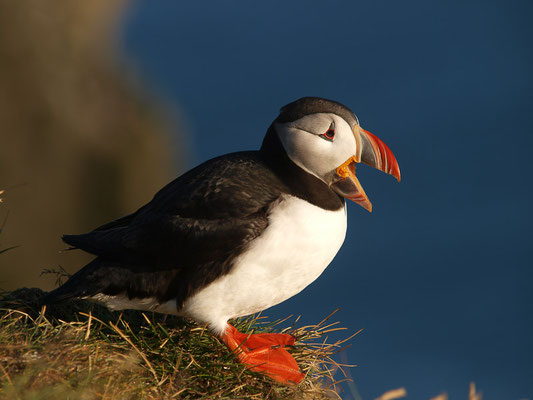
(265, 352)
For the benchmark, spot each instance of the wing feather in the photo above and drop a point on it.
(202, 216)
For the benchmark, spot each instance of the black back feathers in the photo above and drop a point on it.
(312, 105)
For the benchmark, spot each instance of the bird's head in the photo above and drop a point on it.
(324, 138)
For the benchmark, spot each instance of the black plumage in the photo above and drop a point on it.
(192, 230)
(310, 105)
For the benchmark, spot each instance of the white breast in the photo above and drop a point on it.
(299, 243)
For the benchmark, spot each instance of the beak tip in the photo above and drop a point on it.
(396, 171)
(367, 205)
(383, 158)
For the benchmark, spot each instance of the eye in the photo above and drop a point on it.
(328, 135)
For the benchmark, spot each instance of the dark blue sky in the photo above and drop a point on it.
(439, 275)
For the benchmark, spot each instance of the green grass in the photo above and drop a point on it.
(84, 351)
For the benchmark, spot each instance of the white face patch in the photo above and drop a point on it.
(311, 152)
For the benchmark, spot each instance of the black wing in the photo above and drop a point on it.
(205, 213)
(191, 230)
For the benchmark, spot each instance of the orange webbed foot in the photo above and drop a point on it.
(265, 352)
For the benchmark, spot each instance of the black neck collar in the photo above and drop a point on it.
(299, 183)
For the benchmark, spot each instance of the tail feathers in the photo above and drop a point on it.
(104, 243)
(111, 278)
(89, 242)
(58, 296)
(86, 282)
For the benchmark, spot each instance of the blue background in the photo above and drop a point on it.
(439, 275)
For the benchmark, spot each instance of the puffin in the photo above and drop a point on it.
(239, 233)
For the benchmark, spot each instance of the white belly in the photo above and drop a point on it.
(299, 243)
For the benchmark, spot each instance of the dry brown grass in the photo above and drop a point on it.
(400, 393)
(84, 351)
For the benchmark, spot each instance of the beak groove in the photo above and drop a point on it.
(378, 155)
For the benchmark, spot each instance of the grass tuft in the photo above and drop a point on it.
(84, 351)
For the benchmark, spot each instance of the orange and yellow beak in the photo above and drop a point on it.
(371, 151)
